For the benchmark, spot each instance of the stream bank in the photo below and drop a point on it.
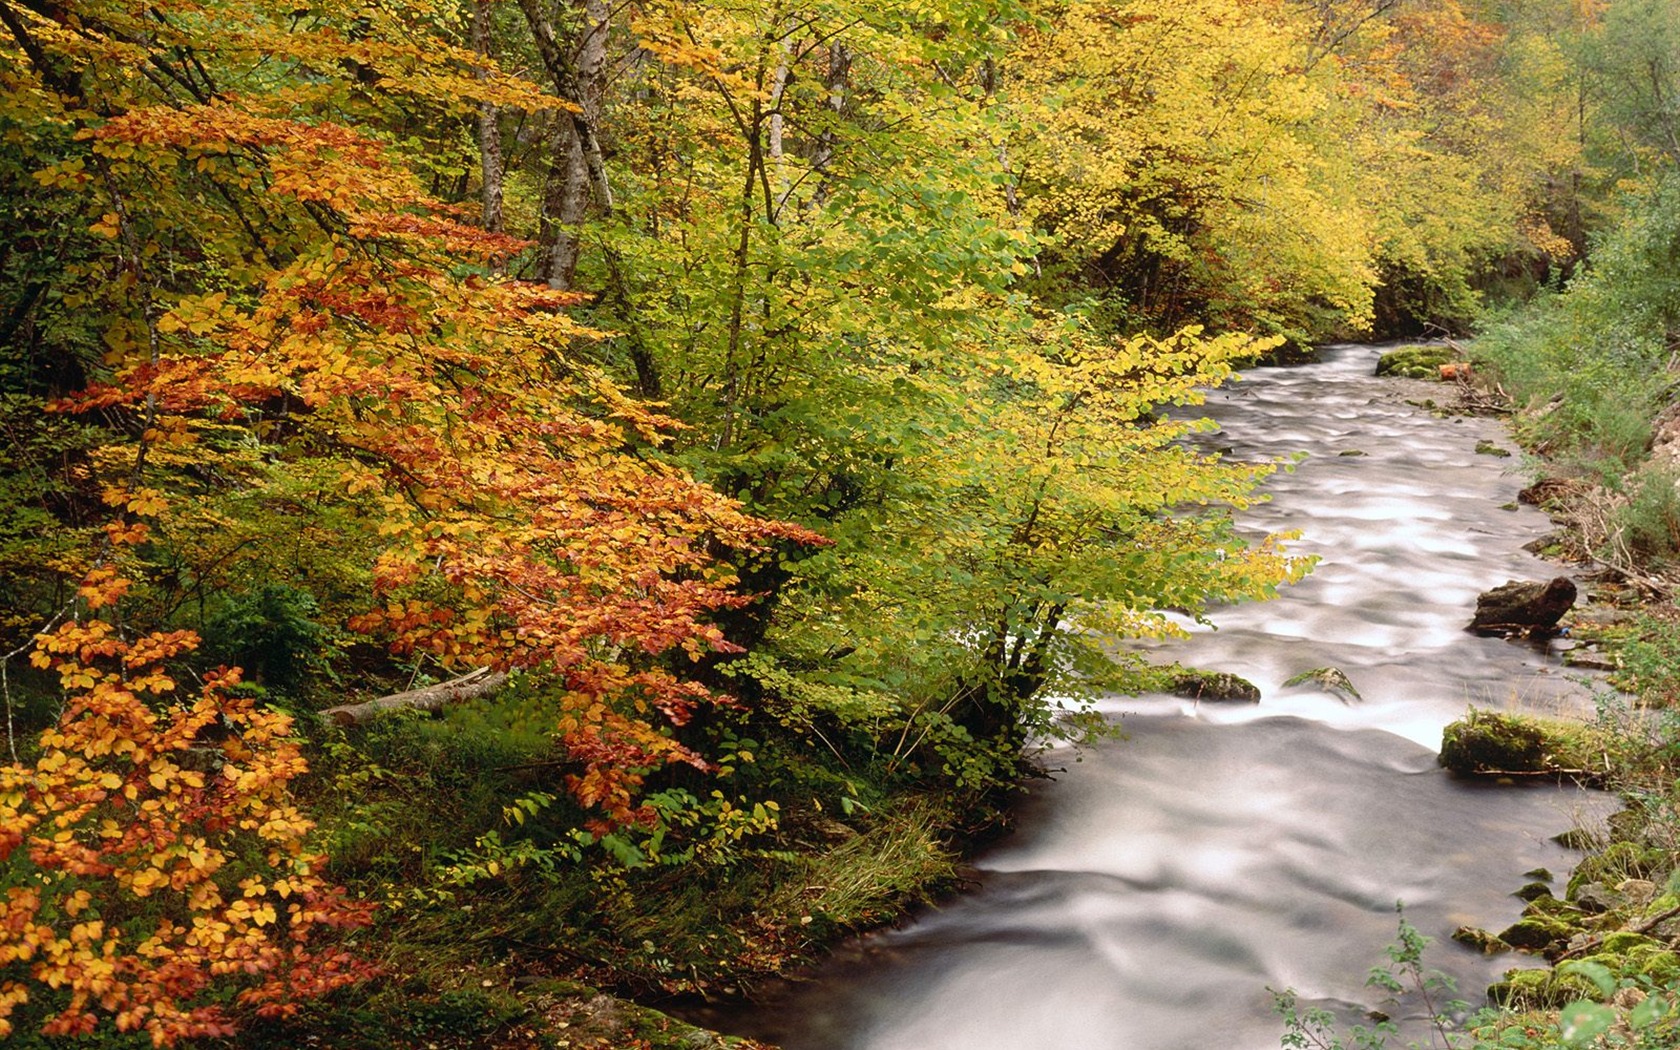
(1161, 884)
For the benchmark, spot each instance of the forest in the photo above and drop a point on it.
(505, 500)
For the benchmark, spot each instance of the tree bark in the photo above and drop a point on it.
(576, 77)
(839, 76)
(470, 686)
(489, 126)
(578, 73)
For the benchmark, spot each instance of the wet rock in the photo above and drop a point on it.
(1479, 939)
(1543, 543)
(1539, 874)
(1488, 448)
(1351, 452)
(1575, 838)
(1536, 933)
(1519, 607)
(1215, 686)
(1588, 658)
(1617, 864)
(1533, 891)
(1595, 899)
(1415, 362)
(1637, 891)
(1486, 742)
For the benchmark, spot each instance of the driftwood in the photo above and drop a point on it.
(469, 686)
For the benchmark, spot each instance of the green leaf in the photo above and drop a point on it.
(1599, 975)
(1581, 1023)
(1653, 1009)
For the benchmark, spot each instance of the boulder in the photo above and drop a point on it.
(1523, 608)
(1479, 939)
(1215, 685)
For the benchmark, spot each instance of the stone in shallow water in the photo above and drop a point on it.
(1518, 607)
(1215, 685)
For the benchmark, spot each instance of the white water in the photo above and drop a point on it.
(1162, 883)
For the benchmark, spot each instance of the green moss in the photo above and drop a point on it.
(1198, 684)
(1488, 742)
(1479, 939)
(1415, 362)
(1537, 932)
(1614, 864)
(1539, 990)
(1622, 942)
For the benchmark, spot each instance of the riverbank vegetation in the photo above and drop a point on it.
(756, 409)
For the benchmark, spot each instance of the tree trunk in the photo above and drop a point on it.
(577, 78)
(565, 202)
(470, 686)
(489, 126)
(839, 76)
(578, 74)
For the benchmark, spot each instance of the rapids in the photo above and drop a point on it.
(1161, 883)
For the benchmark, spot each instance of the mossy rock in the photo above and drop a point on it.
(1549, 905)
(1214, 685)
(1490, 743)
(1539, 990)
(1624, 941)
(1631, 955)
(1536, 933)
(1615, 864)
(1479, 939)
(1415, 362)
(1533, 891)
(1575, 838)
(593, 1019)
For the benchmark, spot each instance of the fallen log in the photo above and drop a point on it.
(469, 686)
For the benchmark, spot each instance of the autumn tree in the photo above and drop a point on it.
(156, 874)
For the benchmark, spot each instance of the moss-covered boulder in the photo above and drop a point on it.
(1213, 685)
(1537, 933)
(1415, 362)
(1479, 939)
(1487, 743)
(587, 1018)
(1533, 891)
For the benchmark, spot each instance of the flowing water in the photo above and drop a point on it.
(1161, 883)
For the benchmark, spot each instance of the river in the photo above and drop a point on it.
(1161, 883)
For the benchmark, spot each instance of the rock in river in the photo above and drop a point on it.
(1516, 607)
